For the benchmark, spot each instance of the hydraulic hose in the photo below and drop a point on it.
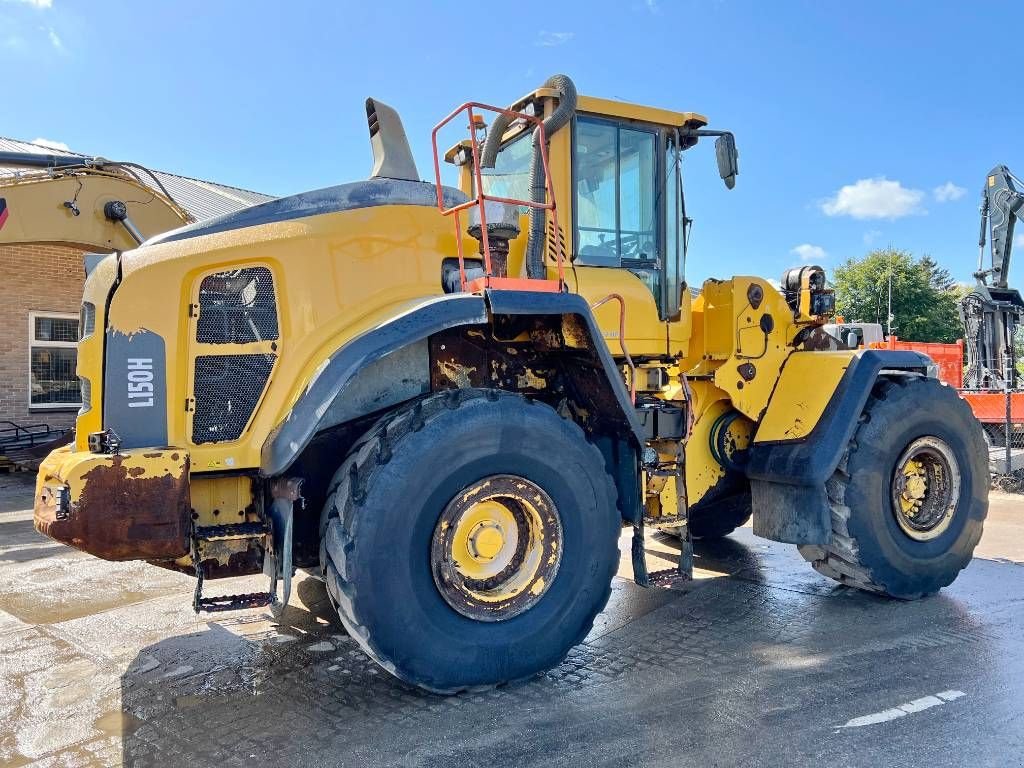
(492, 143)
(538, 189)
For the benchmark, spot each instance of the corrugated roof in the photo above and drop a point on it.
(201, 199)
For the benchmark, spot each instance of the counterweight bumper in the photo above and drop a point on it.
(132, 505)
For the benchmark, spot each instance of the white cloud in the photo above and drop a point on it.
(653, 6)
(808, 252)
(551, 39)
(1018, 240)
(50, 144)
(948, 191)
(55, 41)
(33, 3)
(876, 198)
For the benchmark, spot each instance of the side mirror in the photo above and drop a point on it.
(852, 340)
(728, 159)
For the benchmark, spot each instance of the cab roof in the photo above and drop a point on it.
(613, 108)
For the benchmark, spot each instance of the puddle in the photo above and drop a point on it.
(31, 609)
(117, 724)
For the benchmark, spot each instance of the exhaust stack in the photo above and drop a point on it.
(392, 157)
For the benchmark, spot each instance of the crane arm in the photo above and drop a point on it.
(1002, 204)
(86, 203)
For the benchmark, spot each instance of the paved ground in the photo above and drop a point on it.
(757, 662)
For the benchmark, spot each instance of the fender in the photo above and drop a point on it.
(787, 477)
(396, 351)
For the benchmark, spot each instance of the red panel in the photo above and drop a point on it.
(990, 407)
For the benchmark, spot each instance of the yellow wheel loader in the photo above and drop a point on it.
(448, 402)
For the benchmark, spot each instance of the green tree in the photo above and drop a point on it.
(925, 298)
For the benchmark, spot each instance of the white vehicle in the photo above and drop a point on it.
(855, 335)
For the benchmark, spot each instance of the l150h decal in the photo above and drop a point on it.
(135, 389)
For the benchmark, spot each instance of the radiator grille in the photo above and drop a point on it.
(237, 307)
(227, 389)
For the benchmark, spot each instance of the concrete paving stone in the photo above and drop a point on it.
(759, 661)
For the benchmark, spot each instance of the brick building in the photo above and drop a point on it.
(40, 297)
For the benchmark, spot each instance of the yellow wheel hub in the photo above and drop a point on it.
(496, 548)
(925, 488)
(915, 487)
(484, 540)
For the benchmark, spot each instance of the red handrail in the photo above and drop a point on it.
(481, 197)
(622, 338)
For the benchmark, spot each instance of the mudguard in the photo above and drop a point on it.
(787, 478)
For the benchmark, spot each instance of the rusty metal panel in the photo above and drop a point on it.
(127, 506)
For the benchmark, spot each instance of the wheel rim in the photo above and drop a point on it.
(496, 548)
(925, 488)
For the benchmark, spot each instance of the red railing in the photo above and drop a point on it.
(490, 280)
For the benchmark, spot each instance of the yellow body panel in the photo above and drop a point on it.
(803, 391)
(90, 351)
(332, 283)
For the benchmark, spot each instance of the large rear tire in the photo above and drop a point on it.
(470, 540)
(910, 495)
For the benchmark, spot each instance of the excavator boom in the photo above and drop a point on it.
(992, 311)
(1002, 203)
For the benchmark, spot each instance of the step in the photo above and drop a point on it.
(230, 531)
(222, 603)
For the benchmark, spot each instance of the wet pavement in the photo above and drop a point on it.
(759, 661)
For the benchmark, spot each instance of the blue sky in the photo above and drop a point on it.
(859, 124)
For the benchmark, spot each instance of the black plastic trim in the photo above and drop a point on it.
(344, 197)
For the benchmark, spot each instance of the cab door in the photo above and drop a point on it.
(620, 239)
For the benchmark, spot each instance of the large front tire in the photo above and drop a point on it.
(471, 540)
(910, 495)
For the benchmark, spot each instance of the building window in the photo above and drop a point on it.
(53, 340)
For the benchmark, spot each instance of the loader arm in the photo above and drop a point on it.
(90, 204)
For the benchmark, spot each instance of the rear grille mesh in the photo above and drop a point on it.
(227, 389)
(237, 307)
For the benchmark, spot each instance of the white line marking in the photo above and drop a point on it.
(902, 710)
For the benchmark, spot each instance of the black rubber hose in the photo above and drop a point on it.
(538, 216)
(493, 141)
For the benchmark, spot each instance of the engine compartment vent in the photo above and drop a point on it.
(227, 389)
(237, 307)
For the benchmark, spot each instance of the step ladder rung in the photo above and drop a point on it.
(231, 531)
(222, 603)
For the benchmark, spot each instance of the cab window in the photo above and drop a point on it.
(615, 177)
(510, 176)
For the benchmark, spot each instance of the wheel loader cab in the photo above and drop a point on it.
(617, 180)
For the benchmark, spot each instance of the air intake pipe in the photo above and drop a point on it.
(559, 118)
